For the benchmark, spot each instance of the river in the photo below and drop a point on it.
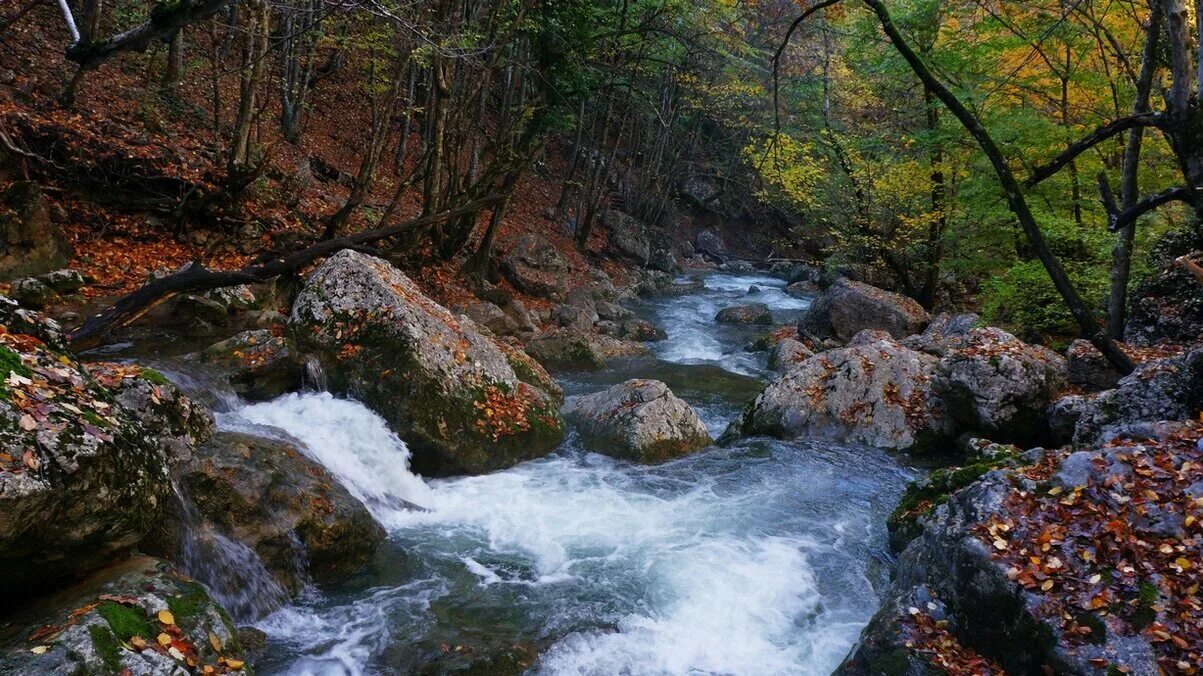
(763, 557)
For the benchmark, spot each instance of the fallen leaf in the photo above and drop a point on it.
(166, 617)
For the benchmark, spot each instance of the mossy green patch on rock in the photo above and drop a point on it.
(107, 646)
(925, 495)
(125, 621)
(155, 377)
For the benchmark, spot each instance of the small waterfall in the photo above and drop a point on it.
(230, 570)
(315, 375)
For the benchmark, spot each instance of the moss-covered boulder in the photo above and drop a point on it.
(268, 496)
(445, 387)
(568, 349)
(84, 455)
(139, 617)
(639, 420)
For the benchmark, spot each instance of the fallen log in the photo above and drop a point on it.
(196, 277)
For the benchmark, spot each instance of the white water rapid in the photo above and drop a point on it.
(762, 558)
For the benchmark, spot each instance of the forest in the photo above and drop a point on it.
(627, 336)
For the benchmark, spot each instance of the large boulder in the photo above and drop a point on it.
(258, 365)
(946, 333)
(787, 353)
(629, 237)
(536, 267)
(139, 617)
(753, 313)
(1001, 386)
(1033, 566)
(708, 242)
(270, 497)
(846, 308)
(640, 420)
(84, 457)
(1157, 391)
(30, 243)
(877, 394)
(445, 387)
(1087, 368)
(564, 349)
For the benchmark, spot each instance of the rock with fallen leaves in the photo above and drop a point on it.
(138, 617)
(568, 349)
(1159, 390)
(640, 420)
(1072, 562)
(258, 365)
(877, 394)
(1000, 386)
(754, 313)
(788, 353)
(846, 308)
(267, 495)
(536, 267)
(447, 389)
(944, 334)
(84, 455)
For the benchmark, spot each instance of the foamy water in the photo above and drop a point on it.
(757, 559)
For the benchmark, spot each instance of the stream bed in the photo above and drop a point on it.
(764, 557)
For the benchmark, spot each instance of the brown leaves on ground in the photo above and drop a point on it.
(1122, 555)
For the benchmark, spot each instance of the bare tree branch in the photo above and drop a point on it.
(1089, 141)
(163, 21)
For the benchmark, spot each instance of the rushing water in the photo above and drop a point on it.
(761, 558)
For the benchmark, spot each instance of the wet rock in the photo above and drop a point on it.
(31, 293)
(802, 290)
(608, 328)
(267, 495)
(109, 624)
(1088, 368)
(579, 317)
(640, 420)
(431, 376)
(655, 283)
(574, 350)
(802, 273)
(30, 243)
(259, 365)
(234, 298)
(847, 308)
(1158, 390)
(84, 457)
(787, 354)
(63, 281)
(201, 308)
(532, 372)
(536, 267)
(1001, 386)
(877, 394)
(612, 311)
(738, 267)
(753, 290)
(641, 330)
(755, 313)
(944, 334)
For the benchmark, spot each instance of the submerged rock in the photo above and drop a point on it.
(446, 388)
(267, 495)
(139, 617)
(846, 308)
(876, 394)
(84, 456)
(640, 420)
(1001, 386)
(565, 349)
(754, 313)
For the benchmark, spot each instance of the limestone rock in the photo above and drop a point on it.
(429, 374)
(30, 243)
(847, 308)
(564, 349)
(534, 266)
(639, 420)
(259, 365)
(754, 313)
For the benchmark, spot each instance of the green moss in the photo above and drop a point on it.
(1098, 628)
(10, 362)
(189, 604)
(126, 622)
(154, 377)
(923, 496)
(1145, 613)
(894, 663)
(107, 646)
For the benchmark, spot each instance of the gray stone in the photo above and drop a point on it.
(534, 266)
(709, 242)
(876, 394)
(31, 293)
(944, 334)
(1001, 386)
(755, 313)
(848, 307)
(430, 375)
(787, 354)
(1088, 368)
(629, 238)
(258, 365)
(638, 420)
(63, 281)
(563, 349)
(30, 243)
(642, 330)
(802, 289)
